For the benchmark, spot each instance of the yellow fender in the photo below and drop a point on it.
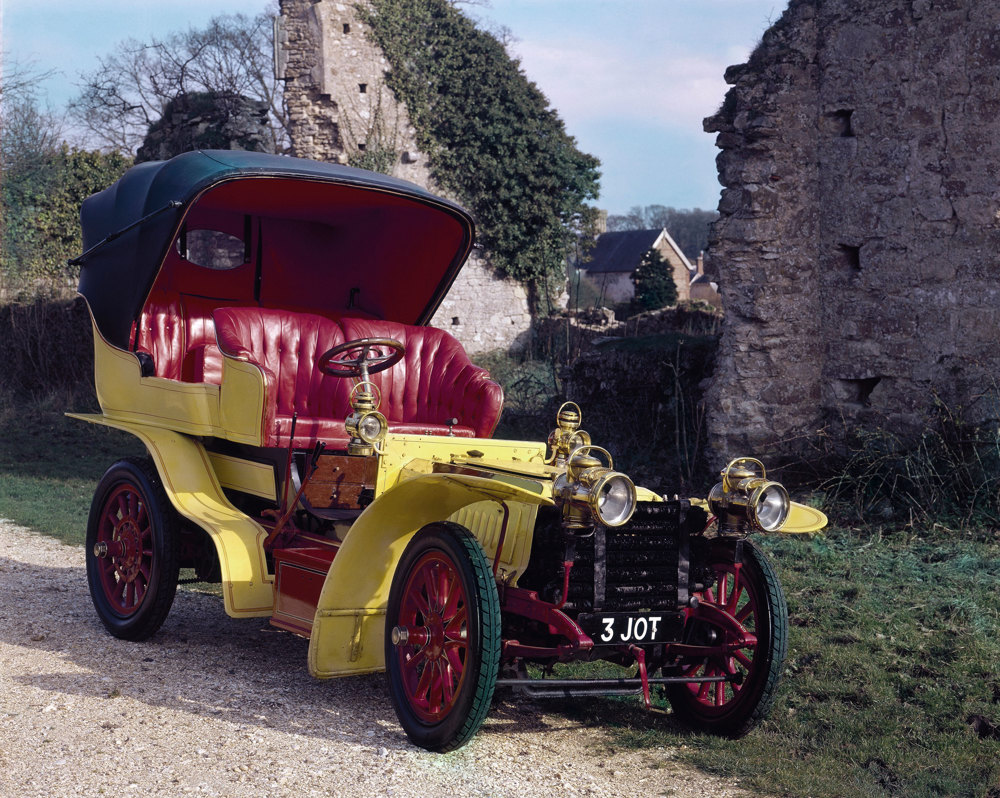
(803, 519)
(349, 625)
(192, 487)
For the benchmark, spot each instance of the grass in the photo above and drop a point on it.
(50, 464)
(893, 655)
(894, 645)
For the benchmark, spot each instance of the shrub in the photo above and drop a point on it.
(948, 473)
(654, 283)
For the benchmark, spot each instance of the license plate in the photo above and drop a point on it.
(624, 628)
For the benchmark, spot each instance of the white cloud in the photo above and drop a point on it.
(589, 79)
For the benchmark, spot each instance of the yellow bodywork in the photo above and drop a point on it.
(232, 411)
(802, 519)
(188, 477)
(349, 626)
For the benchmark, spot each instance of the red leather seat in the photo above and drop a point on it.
(178, 333)
(434, 383)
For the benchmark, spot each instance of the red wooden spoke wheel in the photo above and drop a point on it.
(742, 621)
(132, 550)
(442, 637)
(125, 543)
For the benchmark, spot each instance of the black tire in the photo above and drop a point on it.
(727, 709)
(132, 550)
(442, 686)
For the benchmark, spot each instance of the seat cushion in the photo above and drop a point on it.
(434, 390)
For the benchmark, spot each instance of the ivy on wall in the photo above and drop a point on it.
(492, 140)
(40, 202)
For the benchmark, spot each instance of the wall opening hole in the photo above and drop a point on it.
(363, 88)
(347, 28)
(361, 146)
(859, 391)
(850, 258)
(840, 123)
(454, 320)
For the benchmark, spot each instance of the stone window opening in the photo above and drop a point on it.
(454, 321)
(850, 258)
(363, 88)
(859, 391)
(361, 146)
(840, 122)
(347, 28)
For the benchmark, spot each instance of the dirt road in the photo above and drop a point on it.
(216, 706)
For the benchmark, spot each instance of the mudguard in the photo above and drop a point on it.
(349, 625)
(190, 482)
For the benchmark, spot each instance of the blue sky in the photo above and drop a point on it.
(632, 79)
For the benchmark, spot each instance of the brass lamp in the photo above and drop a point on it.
(567, 435)
(591, 493)
(366, 425)
(746, 497)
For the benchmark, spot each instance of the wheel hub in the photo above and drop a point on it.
(435, 645)
(129, 556)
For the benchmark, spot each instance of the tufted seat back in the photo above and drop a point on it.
(177, 331)
(434, 383)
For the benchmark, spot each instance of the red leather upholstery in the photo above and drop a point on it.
(177, 330)
(434, 382)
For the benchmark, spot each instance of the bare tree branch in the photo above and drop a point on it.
(231, 56)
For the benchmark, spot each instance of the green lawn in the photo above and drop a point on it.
(50, 464)
(894, 649)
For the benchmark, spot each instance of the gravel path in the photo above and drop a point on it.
(216, 706)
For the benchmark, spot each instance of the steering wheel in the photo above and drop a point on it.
(360, 358)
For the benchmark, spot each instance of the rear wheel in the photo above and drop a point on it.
(744, 619)
(132, 550)
(442, 647)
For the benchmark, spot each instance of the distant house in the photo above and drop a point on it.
(702, 288)
(617, 255)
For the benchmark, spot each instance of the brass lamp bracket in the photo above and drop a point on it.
(567, 435)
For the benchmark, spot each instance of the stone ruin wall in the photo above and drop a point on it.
(859, 237)
(337, 101)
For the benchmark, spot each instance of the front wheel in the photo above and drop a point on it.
(132, 550)
(743, 621)
(442, 644)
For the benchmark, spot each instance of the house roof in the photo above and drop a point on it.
(620, 251)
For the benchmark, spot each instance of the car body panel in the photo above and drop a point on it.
(189, 480)
(349, 625)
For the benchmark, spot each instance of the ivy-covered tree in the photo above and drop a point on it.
(129, 90)
(654, 282)
(492, 139)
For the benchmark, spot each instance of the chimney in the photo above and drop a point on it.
(601, 223)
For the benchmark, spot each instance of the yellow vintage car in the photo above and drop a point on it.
(260, 324)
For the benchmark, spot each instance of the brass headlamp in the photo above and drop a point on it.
(567, 435)
(591, 493)
(745, 496)
(366, 425)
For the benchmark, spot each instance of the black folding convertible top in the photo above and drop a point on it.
(129, 227)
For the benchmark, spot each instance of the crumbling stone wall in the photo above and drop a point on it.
(859, 237)
(208, 121)
(341, 110)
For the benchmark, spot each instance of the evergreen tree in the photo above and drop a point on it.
(654, 282)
